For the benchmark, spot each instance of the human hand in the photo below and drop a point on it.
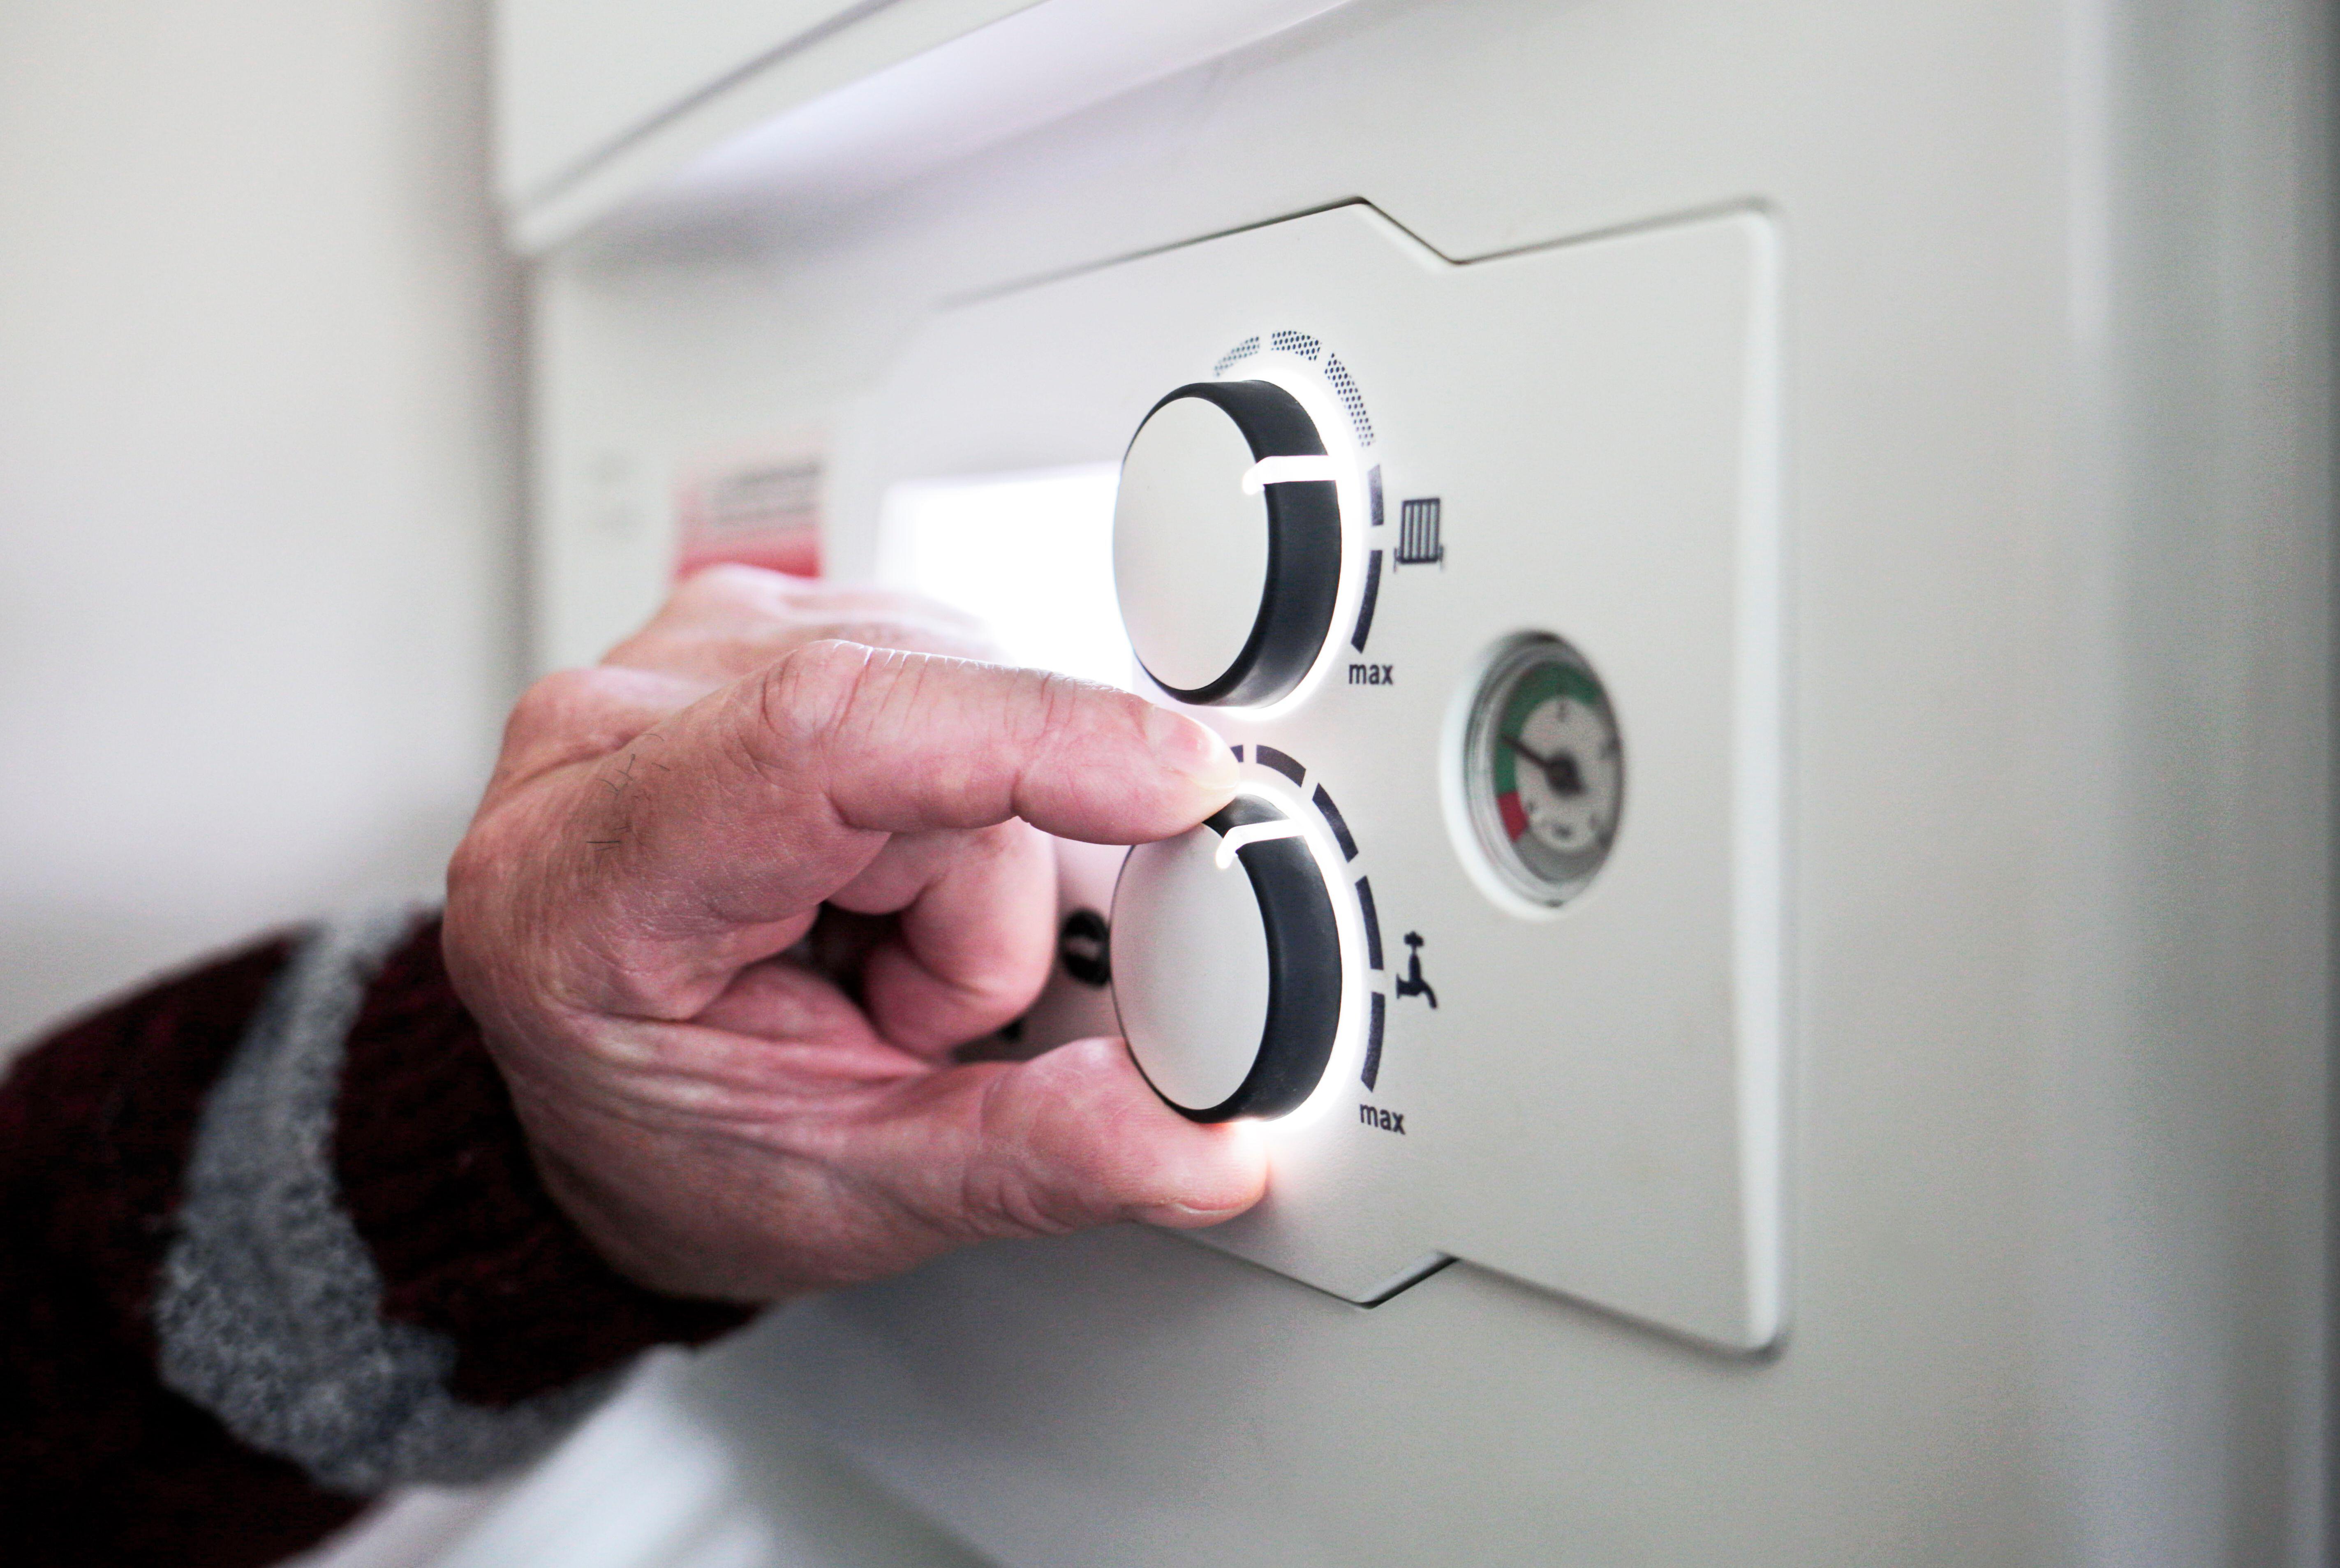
(719, 1118)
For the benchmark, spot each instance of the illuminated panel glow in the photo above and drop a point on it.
(1031, 553)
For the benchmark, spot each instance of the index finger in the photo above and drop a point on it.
(754, 804)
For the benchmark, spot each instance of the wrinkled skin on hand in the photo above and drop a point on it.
(719, 1118)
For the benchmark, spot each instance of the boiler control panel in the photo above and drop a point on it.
(1477, 569)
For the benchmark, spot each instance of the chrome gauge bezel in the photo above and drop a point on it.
(1526, 863)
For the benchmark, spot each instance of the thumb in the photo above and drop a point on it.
(1069, 1140)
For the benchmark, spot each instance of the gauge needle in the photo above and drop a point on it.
(1560, 770)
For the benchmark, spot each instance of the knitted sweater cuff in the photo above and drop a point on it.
(366, 1277)
(437, 1178)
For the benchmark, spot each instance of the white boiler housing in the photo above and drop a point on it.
(1918, 412)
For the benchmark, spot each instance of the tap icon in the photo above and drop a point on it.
(1411, 983)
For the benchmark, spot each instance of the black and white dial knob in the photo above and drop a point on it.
(1227, 964)
(1226, 543)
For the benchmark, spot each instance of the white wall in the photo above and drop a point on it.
(260, 442)
(259, 447)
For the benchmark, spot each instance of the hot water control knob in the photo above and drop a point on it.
(1227, 964)
(1226, 543)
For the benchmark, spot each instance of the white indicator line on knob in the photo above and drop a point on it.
(1253, 833)
(1270, 470)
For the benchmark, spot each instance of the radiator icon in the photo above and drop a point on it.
(1418, 543)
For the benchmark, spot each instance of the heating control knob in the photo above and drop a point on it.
(1227, 964)
(1226, 543)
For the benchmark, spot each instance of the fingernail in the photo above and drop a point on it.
(1191, 749)
(1187, 1216)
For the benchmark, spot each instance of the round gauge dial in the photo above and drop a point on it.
(1545, 770)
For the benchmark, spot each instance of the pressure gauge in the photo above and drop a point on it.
(1544, 770)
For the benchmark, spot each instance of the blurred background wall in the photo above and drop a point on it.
(259, 458)
(260, 448)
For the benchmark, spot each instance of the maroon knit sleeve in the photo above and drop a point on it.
(99, 1463)
(436, 1174)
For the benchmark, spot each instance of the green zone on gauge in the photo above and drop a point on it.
(1545, 770)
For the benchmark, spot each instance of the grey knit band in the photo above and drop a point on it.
(268, 1308)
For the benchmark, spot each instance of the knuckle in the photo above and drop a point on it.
(997, 995)
(1006, 1194)
(811, 691)
(812, 711)
(1002, 1203)
(726, 577)
(1058, 704)
(910, 635)
(727, 585)
(557, 704)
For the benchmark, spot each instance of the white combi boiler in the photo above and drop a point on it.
(1767, 566)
